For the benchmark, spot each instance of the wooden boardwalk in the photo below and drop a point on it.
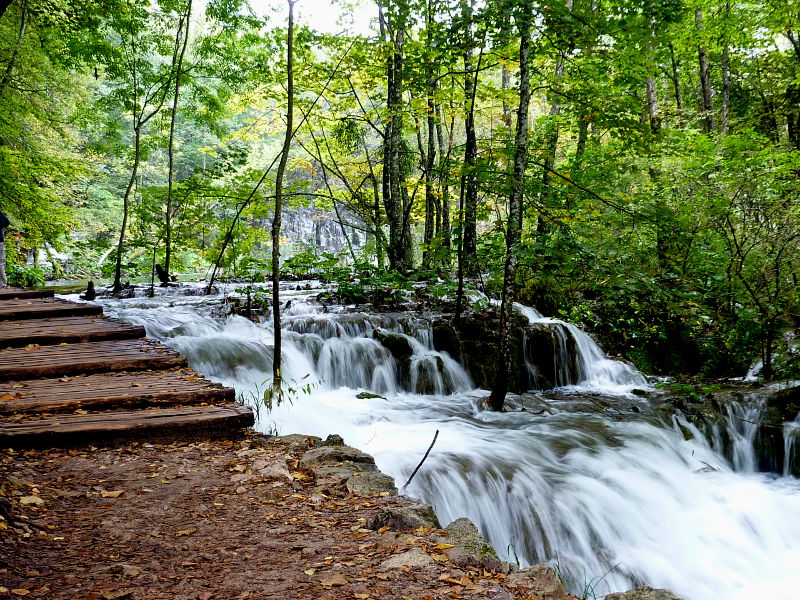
(69, 376)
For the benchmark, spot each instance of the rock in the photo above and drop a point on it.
(412, 558)
(643, 593)
(540, 581)
(333, 440)
(470, 548)
(296, 441)
(271, 471)
(366, 484)
(397, 344)
(336, 476)
(369, 396)
(405, 517)
(334, 454)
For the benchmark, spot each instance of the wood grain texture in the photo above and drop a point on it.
(38, 308)
(57, 330)
(93, 357)
(104, 391)
(124, 425)
(10, 293)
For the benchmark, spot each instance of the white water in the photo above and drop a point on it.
(616, 497)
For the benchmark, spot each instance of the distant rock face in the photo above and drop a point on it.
(643, 593)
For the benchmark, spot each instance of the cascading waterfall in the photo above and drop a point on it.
(791, 431)
(617, 497)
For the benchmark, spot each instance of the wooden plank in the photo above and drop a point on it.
(106, 391)
(9, 293)
(116, 425)
(38, 308)
(14, 334)
(92, 357)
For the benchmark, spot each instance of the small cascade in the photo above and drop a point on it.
(791, 431)
(735, 436)
(594, 369)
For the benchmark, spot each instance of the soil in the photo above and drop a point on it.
(208, 520)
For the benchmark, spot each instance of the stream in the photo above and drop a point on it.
(588, 477)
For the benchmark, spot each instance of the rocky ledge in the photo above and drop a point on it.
(342, 468)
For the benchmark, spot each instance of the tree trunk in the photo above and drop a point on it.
(705, 77)
(444, 158)
(178, 67)
(469, 219)
(125, 210)
(676, 85)
(514, 226)
(277, 376)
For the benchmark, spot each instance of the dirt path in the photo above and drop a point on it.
(220, 520)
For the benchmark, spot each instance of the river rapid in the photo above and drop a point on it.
(588, 477)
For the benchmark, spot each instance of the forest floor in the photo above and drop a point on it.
(198, 521)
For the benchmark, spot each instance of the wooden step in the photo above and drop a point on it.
(87, 357)
(117, 425)
(105, 391)
(39, 308)
(65, 330)
(9, 293)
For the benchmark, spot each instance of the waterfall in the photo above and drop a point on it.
(612, 492)
(791, 431)
(596, 370)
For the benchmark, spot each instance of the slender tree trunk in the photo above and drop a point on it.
(277, 376)
(126, 209)
(23, 25)
(705, 77)
(676, 85)
(514, 226)
(178, 67)
(444, 158)
(469, 222)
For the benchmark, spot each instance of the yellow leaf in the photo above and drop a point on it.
(185, 532)
(20, 592)
(384, 529)
(30, 348)
(114, 494)
(444, 546)
(310, 571)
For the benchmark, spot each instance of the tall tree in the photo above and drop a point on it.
(515, 199)
(277, 375)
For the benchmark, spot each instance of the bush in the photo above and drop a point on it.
(24, 276)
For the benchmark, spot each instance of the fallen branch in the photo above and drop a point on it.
(405, 485)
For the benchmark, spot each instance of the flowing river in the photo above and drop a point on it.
(589, 477)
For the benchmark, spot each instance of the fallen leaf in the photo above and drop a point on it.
(114, 494)
(30, 348)
(334, 580)
(6, 396)
(310, 572)
(444, 547)
(31, 500)
(185, 532)
(20, 592)
(384, 529)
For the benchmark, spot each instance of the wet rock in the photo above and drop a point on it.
(644, 593)
(405, 517)
(540, 581)
(369, 396)
(366, 484)
(397, 344)
(412, 558)
(470, 548)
